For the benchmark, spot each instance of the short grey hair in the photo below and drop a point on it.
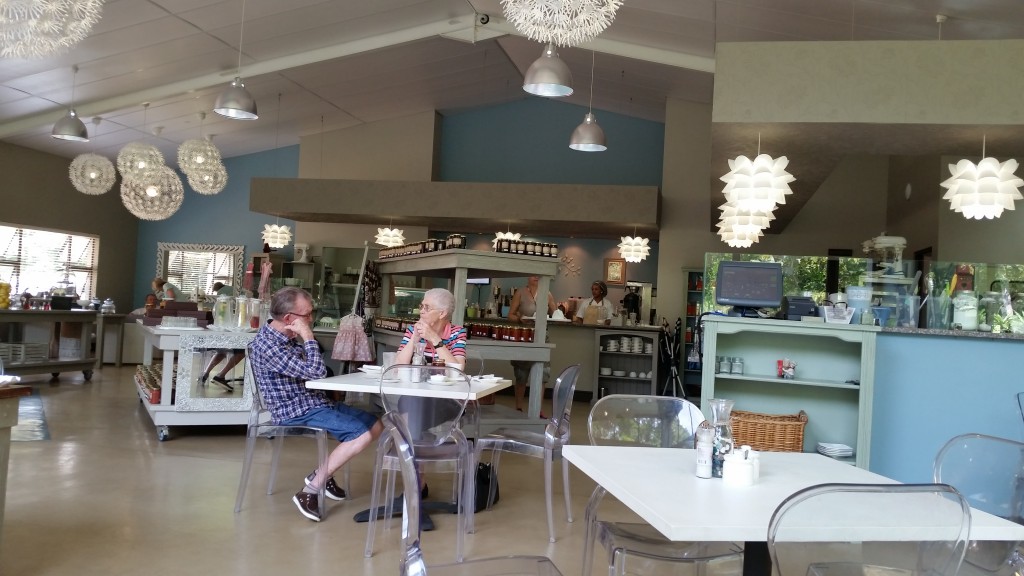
(283, 301)
(443, 298)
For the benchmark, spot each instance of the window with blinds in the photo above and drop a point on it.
(190, 270)
(35, 260)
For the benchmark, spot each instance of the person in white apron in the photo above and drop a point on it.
(596, 310)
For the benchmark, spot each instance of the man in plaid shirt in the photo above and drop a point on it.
(283, 356)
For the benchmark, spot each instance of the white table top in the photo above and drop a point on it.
(669, 496)
(360, 382)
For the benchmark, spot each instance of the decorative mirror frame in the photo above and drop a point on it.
(189, 344)
(162, 248)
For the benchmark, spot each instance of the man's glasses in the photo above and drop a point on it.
(307, 315)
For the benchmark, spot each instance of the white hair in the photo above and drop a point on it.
(443, 298)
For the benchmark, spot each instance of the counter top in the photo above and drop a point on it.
(954, 333)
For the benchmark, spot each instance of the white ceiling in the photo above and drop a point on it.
(338, 63)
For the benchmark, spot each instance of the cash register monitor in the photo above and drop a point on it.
(747, 286)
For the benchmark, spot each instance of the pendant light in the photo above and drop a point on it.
(548, 75)
(634, 248)
(235, 101)
(136, 160)
(70, 127)
(563, 23)
(757, 185)
(390, 237)
(588, 136)
(982, 190)
(44, 28)
(91, 173)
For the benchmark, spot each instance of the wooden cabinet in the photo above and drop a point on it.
(627, 361)
(833, 383)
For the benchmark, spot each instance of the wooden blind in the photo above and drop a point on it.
(35, 260)
(191, 270)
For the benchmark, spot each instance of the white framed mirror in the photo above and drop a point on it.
(214, 354)
(192, 266)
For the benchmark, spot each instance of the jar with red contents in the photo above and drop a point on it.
(527, 334)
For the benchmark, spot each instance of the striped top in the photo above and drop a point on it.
(454, 338)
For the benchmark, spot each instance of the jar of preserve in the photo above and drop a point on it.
(528, 334)
(520, 247)
(503, 245)
(554, 250)
(517, 334)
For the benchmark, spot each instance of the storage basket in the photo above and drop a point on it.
(769, 432)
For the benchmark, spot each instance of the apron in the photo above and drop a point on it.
(594, 314)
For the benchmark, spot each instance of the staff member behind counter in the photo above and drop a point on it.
(597, 310)
(524, 305)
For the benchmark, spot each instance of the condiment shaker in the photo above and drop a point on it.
(705, 449)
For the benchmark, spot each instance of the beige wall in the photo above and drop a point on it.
(36, 192)
(400, 149)
(322, 234)
(920, 82)
(915, 218)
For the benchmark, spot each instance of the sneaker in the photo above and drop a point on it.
(332, 490)
(308, 505)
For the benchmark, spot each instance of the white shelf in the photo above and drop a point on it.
(628, 361)
(827, 356)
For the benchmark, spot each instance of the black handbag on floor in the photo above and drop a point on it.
(483, 484)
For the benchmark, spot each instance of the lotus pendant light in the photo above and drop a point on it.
(235, 101)
(982, 190)
(634, 248)
(390, 237)
(548, 75)
(276, 235)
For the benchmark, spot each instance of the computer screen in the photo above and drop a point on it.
(749, 284)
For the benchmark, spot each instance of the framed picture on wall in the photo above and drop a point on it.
(614, 271)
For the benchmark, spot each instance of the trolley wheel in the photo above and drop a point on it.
(162, 433)
(55, 375)
(87, 374)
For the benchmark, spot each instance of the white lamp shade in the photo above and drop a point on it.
(565, 23)
(390, 237)
(588, 136)
(156, 198)
(276, 235)
(634, 249)
(739, 239)
(757, 185)
(734, 219)
(197, 154)
(92, 174)
(548, 75)
(43, 28)
(208, 180)
(983, 190)
(70, 127)
(235, 102)
(136, 161)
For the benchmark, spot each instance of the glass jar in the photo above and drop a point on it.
(721, 420)
(965, 310)
(222, 312)
(241, 312)
(554, 250)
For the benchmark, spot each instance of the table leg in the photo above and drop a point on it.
(100, 328)
(120, 344)
(756, 561)
(536, 389)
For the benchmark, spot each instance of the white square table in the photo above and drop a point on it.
(361, 382)
(660, 486)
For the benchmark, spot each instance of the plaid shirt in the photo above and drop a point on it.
(281, 367)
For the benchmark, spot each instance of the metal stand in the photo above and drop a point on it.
(669, 345)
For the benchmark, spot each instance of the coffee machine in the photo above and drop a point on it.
(638, 300)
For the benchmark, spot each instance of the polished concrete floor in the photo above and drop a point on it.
(104, 497)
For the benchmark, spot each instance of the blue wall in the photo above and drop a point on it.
(528, 141)
(223, 218)
(931, 388)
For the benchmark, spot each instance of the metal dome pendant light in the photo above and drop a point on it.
(588, 136)
(70, 127)
(548, 75)
(235, 101)
(982, 190)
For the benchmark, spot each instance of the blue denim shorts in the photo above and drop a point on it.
(343, 422)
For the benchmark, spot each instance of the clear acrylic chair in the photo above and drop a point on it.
(411, 561)
(651, 421)
(440, 444)
(546, 445)
(870, 529)
(989, 472)
(471, 419)
(261, 426)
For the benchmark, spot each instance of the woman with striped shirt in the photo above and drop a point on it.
(435, 328)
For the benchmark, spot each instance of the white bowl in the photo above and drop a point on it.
(618, 373)
(606, 371)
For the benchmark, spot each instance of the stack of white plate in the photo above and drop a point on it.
(835, 450)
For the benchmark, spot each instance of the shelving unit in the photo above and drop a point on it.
(834, 380)
(689, 370)
(309, 272)
(28, 337)
(457, 265)
(628, 362)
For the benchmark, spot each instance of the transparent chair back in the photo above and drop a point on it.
(989, 472)
(643, 420)
(432, 422)
(881, 529)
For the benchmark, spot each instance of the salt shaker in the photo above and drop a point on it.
(705, 448)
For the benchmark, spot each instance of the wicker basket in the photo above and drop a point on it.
(769, 432)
